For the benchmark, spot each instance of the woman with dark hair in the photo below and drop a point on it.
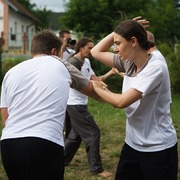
(150, 149)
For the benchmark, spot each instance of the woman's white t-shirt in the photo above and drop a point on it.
(149, 125)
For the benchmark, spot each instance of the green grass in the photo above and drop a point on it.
(112, 124)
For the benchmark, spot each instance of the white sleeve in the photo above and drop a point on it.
(79, 82)
(3, 97)
(149, 79)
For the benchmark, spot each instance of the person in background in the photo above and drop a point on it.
(84, 127)
(154, 50)
(67, 50)
(33, 104)
(68, 46)
(150, 148)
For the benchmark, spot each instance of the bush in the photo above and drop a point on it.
(9, 63)
(172, 55)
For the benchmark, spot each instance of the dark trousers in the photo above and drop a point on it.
(67, 125)
(32, 159)
(161, 165)
(83, 128)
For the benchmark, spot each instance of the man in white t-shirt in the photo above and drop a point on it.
(33, 104)
(67, 48)
(154, 50)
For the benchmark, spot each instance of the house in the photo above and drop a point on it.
(17, 26)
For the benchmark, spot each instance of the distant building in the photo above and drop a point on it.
(17, 26)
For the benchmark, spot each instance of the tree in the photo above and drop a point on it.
(54, 22)
(29, 6)
(42, 15)
(164, 16)
(83, 16)
(97, 18)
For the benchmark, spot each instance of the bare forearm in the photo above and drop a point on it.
(105, 44)
(4, 115)
(101, 50)
(89, 91)
(117, 100)
(109, 97)
(105, 76)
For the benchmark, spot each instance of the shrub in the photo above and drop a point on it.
(9, 63)
(172, 55)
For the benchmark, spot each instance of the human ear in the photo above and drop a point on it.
(53, 51)
(133, 41)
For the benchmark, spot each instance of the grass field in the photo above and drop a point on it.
(112, 124)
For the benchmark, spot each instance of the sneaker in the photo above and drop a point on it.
(105, 174)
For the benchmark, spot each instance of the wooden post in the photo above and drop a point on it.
(1, 44)
(24, 43)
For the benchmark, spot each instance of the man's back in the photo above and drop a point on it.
(158, 55)
(37, 99)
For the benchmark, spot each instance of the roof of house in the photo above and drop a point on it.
(16, 6)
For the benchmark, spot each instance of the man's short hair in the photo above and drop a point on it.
(62, 32)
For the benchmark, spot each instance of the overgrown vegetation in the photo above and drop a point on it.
(98, 18)
(42, 15)
(172, 54)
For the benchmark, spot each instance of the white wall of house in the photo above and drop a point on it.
(18, 24)
(1, 16)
